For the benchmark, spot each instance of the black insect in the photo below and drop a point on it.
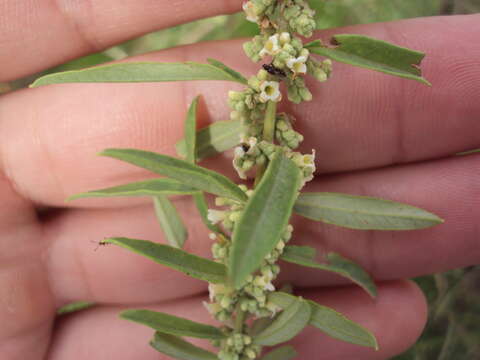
(245, 147)
(100, 243)
(271, 69)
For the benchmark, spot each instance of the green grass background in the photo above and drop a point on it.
(453, 331)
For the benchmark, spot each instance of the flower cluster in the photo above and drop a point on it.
(252, 297)
(284, 133)
(296, 15)
(290, 60)
(227, 218)
(239, 344)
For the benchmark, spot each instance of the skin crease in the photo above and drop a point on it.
(384, 138)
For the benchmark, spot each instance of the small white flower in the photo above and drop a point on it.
(285, 38)
(249, 9)
(270, 90)
(271, 46)
(297, 65)
(215, 216)
(211, 291)
(269, 287)
(212, 236)
(308, 161)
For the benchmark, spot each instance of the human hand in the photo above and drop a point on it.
(374, 135)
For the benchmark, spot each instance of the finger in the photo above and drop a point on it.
(26, 302)
(51, 32)
(445, 187)
(359, 119)
(399, 309)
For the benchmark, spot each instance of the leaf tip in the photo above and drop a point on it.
(73, 197)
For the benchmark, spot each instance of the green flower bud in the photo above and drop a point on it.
(305, 94)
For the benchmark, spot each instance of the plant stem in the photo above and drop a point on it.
(239, 319)
(269, 122)
(268, 134)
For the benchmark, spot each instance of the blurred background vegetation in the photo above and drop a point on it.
(453, 331)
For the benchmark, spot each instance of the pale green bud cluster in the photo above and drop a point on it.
(300, 17)
(284, 133)
(252, 48)
(252, 297)
(237, 345)
(297, 91)
(296, 15)
(227, 218)
(319, 70)
(305, 162)
(246, 107)
(223, 299)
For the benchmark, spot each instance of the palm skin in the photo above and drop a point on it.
(375, 135)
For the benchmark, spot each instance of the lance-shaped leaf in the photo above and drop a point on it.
(362, 212)
(183, 171)
(192, 265)
(172, 325)
(233, 73)
(214, 139)
(178, 348)
(330, 321)
(170, 221)
(139, 72)
(287, 324)
(191, 132)
(305, 256)
(339, 327)
(264, 219)
(74, 307)
(282, 353)
(202, 207)
(152, 187)
(363, 51)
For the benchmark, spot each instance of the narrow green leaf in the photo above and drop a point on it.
(188, 174)
(173, 325)
(177, 259)
(170, 221)
(191, 132)
(74, 307)
(214, 139)
(282, 353)
(202, 207)
(362, 212)
(234, 74)
(305, 256)
(152, 187)
(351, 270)
(286, 325)
(259, 325)
(264, 219)
(330, 321)
(339, 327)
(378, 55)
(178, 348)
(139, 72)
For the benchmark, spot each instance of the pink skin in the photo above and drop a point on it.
(380, 126)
